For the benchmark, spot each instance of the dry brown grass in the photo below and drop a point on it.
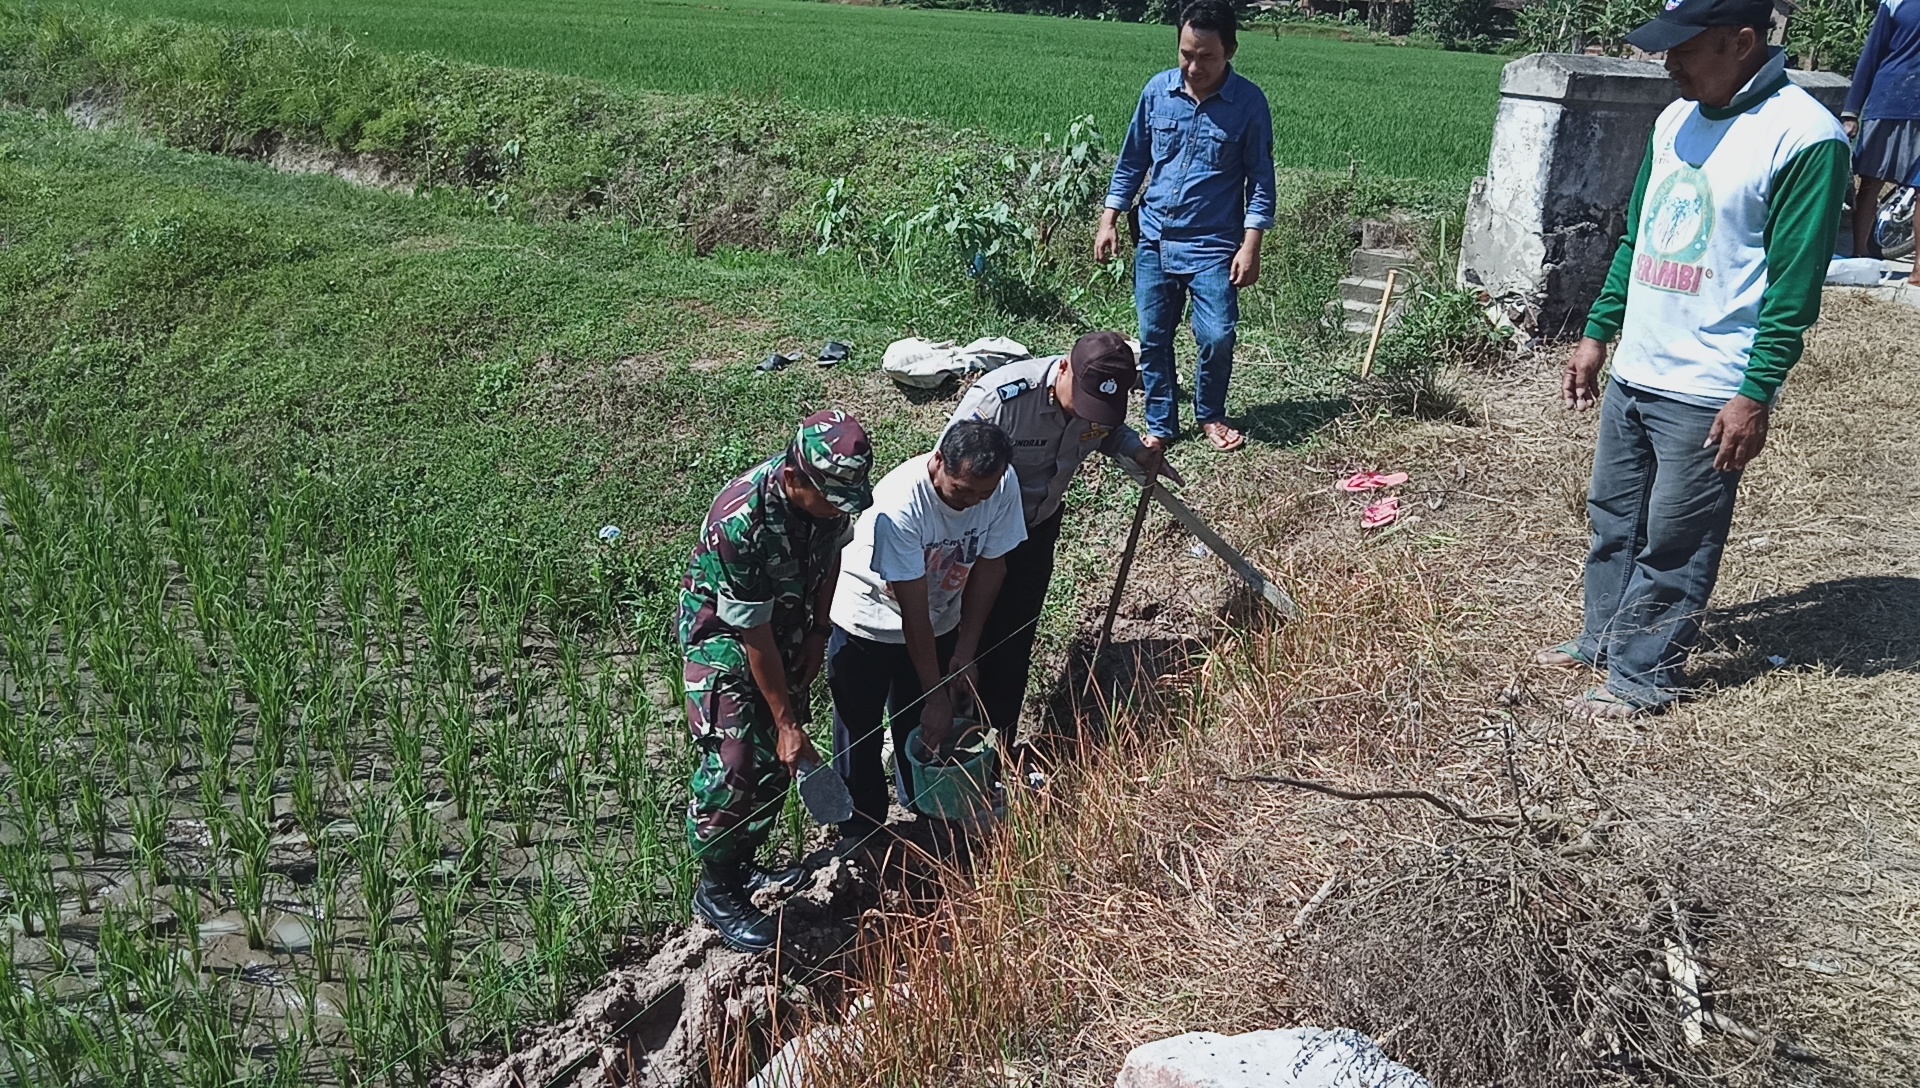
(1771, 826)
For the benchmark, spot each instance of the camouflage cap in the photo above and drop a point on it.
(833, 452)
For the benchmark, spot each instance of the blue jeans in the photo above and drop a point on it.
(1660, 513)
(1160, 297)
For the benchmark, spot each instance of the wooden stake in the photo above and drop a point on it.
(1379, 323)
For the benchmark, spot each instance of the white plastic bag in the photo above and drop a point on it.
(1854, 272)
(918, 363)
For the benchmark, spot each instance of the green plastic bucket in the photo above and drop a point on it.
(958, 789)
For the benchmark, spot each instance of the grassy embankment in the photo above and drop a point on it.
(1402, 113)
(419, 410)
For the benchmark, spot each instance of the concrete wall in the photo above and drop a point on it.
(1567, 143)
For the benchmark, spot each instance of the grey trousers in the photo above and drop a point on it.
(1660, 513)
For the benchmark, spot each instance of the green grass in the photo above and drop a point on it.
(524, 381)
(427, 359)
(1402, 112)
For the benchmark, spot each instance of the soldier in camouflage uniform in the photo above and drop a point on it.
(753, 625)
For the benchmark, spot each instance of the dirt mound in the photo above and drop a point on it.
(659, 1023)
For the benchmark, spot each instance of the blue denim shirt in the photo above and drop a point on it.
(1207, 168)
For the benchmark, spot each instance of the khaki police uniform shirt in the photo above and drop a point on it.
(1048, 444)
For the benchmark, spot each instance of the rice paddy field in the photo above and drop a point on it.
(288, 802)
(1400, 112)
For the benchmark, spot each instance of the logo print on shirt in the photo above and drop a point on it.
(1674, 232)
(950, 561)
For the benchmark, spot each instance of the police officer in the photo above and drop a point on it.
(1057, 410)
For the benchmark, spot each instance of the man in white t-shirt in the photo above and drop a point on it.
(916, 587)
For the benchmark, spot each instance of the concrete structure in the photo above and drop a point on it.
(1567, 143)
(1364, 287)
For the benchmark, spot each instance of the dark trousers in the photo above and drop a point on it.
(874, 682)
(1660, 514)
(1006, 657)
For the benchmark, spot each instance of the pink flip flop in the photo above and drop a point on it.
(1371, 481)
(1382, 513)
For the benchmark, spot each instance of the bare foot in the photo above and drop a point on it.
(1601, 703)
(1563, 656)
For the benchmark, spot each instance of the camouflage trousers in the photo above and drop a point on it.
(739, 783)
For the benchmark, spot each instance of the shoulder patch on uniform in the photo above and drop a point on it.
(1014, 388)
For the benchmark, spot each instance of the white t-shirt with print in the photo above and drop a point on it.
(910, 532)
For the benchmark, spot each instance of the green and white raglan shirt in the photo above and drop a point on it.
(1729, 234)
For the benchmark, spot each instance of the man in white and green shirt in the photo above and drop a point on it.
(1729, 233)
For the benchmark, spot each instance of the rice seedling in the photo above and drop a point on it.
(91, 812)
(112, 1051)
(20, 876)
(228, 665)
(147, 813)
(557, 927)
(306, 794)
(324, 921)
(374, 818)
(439, 904)
(454, 721)
(63, 834)
(211, 1051)
(184, 899)
(407, 748)
(42, 1043)
(248, 837)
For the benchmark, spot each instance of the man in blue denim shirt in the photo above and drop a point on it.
(1201, 145)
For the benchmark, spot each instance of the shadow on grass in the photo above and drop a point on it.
(1286, 422)
(1862, 626)
(1088, 696)
(1088, 699)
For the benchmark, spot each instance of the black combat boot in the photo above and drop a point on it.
(777, 881)
(721, 900)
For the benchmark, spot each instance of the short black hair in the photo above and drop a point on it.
(977, 448)
(1214, 15)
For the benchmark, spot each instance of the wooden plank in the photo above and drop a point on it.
(1239, 564)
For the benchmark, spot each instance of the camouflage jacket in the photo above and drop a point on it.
(758, 559)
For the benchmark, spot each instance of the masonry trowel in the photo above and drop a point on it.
(822, 790)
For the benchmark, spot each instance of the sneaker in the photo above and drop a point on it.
(862, 833)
